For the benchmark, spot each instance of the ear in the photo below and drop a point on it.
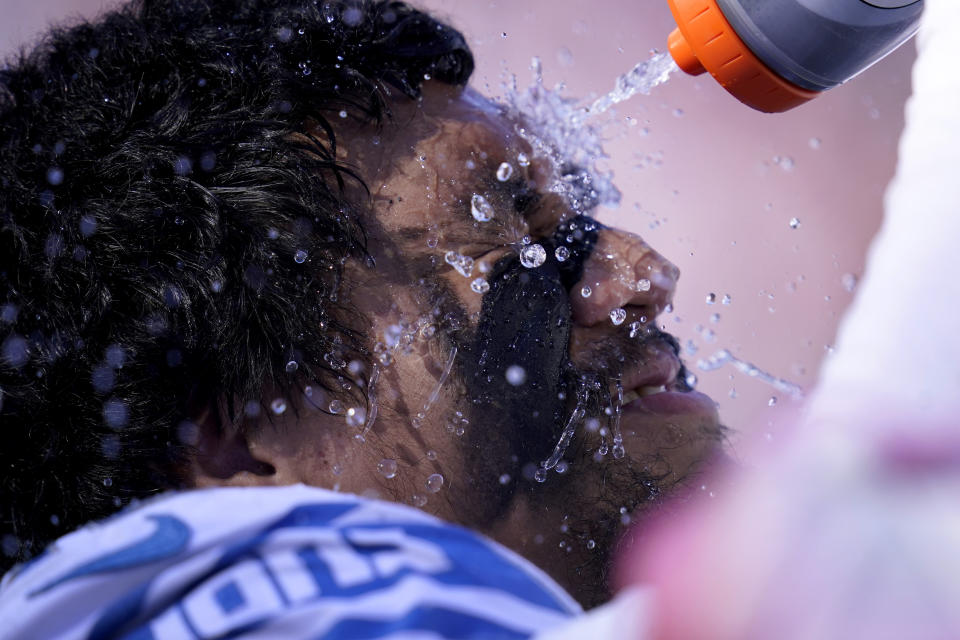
(223, 456)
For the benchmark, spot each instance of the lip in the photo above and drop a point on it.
(661, 368)
(672, 403)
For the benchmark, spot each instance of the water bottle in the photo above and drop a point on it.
(774, 55)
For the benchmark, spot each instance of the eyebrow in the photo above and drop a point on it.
(517, 190)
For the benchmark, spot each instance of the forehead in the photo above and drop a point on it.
(425, 167)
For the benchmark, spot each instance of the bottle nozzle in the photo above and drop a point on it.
(776, 54)
(705, 41)
(683, 54)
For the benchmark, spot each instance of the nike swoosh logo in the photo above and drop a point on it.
(170, 538)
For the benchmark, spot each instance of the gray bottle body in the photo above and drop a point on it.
(818, 44)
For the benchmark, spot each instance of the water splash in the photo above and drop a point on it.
(724, 357)
(641, 79)
(557, 128)
(618, 450)
(418, 420)
(568, 431)
(372, 406)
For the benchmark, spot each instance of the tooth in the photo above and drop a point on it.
(649, 391)
(630, 396)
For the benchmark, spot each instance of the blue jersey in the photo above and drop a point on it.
(277, 562)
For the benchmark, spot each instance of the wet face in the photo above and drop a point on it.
(520, 384)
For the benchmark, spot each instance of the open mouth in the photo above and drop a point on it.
(643, 392)
(657, 388)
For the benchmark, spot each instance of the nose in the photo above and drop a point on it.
(623, 271)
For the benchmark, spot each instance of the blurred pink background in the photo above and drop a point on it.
(708, 182)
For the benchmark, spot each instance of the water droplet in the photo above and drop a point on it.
(292, 366)
(711, 298)
(387, 468)
(562, 467)
(618, 451)
(481, 209)
(532, 256)
(786, 163)
(618, 315)
(342, 114)
(642, 285)
(88, 225)
(391, 335)
(183, 166)
(726, 299)
(115, 413)
(678, 113)
(55, 176)
(523, 160)
(516, 375)
(591, 544)
(300, 257)
(504, 172)
(794, 223)
(434, 482)
(504, 478)
(463, 264)
(353, 16)
(540, 475)
(278, 406)
(251, 409)
(586, 291)
(356, 416)
(691, 380)
(418, 500)
(335, 407)
(815, 143)
(116, 356)
(480, 285)
(562, 254)
(772, 401)
(849, 281)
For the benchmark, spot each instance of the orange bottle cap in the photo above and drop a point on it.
(705, 41)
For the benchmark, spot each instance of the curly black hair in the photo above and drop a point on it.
(173, 228)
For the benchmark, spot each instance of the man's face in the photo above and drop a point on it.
(502, 387)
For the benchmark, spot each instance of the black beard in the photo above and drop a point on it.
(525, 320)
